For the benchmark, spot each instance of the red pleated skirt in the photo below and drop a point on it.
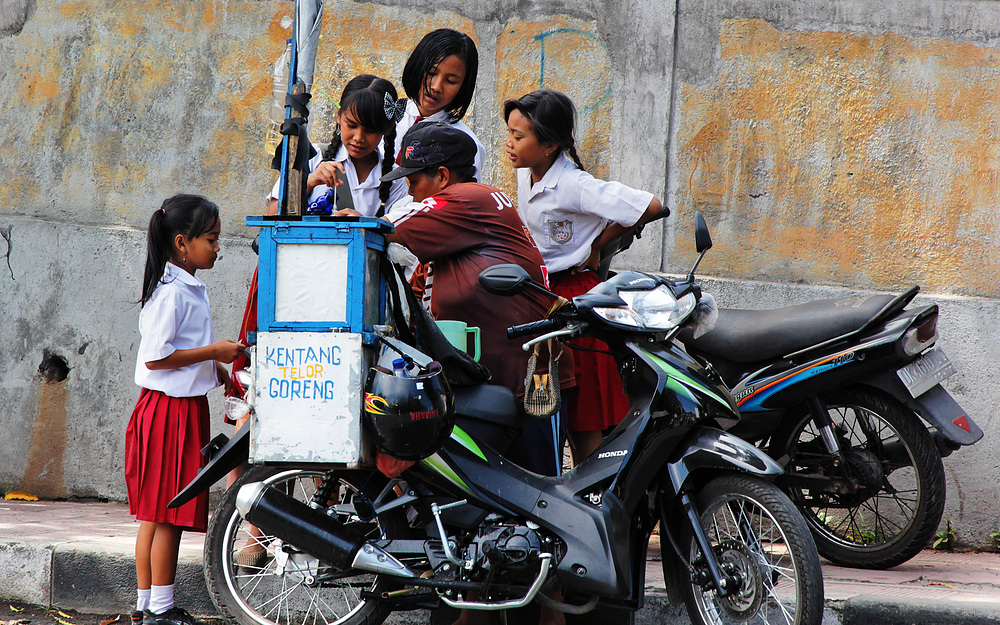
(163, 444)
(599, 401)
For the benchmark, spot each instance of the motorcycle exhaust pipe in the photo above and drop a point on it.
(312, 531)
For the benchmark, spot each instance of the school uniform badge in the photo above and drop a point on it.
(561, 231)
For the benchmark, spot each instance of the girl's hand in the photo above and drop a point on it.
(227, 381)
(227, 351)
(592, 261)
(347, 212)
(326, 174)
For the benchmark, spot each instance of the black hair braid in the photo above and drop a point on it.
(330, 153)
(571, 150)
(388, 146)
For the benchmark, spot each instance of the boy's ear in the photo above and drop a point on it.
(443, 177)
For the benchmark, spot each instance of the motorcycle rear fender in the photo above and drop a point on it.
(222, 455)
(718, 451)
(953, 427)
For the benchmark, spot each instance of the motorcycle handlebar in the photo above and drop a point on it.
(535, 327)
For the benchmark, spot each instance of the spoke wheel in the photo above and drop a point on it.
(282, 585)
(761, 541)
(895, 492)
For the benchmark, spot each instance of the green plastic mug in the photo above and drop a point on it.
(457, 333)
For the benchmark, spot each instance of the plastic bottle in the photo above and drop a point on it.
(399, 368)
(278, 91)
(324, 204)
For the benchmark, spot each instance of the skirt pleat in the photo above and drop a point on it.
(163, 445)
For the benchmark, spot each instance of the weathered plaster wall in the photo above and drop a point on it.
(832, 143)
(848, 152)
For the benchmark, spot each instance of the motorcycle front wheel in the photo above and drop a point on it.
(760, 539)
(256, 579)
(898, 488)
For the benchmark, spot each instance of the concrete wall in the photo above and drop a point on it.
(830, 144)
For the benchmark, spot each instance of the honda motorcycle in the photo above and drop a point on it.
(464, 527)
(846, 395)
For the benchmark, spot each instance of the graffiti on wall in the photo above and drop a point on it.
(867, 160)
(562, 54)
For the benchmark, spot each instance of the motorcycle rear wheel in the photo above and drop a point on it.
(759, 536)
(890, 449)
(261, 593)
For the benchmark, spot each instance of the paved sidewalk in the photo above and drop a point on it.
(80, 556)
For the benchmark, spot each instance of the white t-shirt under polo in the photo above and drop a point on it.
(177, 316)
(568, 208)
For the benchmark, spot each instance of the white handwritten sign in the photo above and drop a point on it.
(309, 389)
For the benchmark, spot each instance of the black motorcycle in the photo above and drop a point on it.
(845, 394)
(467, 528)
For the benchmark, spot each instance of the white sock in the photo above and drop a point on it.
(143, 602)
(161, 599)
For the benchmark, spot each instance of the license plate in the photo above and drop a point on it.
(926, 372)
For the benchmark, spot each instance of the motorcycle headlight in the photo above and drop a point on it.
(656, 309)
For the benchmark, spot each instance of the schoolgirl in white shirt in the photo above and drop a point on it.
(572, 215)
(440, 78)
(365, 132)
(179, 361)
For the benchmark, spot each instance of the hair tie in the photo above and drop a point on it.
(163, 210)
(394, 109)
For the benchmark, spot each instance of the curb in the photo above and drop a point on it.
(94, 582)
(891, 611)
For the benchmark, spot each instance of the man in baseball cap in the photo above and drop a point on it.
(430, 145)
(457, 227)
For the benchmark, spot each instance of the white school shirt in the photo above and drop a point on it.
(410, 118)
(568, 208)
(177, 316)
(364, 193)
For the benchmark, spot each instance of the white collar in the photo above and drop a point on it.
(173, 272)
(414, 112)
(376, 172)
(551, 177)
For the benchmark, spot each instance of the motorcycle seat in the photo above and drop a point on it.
(489, 414)
(747, 336)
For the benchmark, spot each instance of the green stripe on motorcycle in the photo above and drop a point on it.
(438, 465)
(462, 438)
(676, 374)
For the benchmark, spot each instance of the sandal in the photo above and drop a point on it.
(252, 561)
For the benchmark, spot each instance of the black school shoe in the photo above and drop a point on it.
(137, 617)
(173, 616)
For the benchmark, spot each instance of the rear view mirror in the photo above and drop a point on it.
(504, 279)
(702, 239)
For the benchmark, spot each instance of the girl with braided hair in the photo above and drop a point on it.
(365, 132)
(572, 216)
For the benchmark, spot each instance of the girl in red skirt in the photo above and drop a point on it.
(571, 216)
(179, 361)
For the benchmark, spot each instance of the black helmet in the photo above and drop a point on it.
(410, 417)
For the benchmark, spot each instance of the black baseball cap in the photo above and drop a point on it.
(428, 145)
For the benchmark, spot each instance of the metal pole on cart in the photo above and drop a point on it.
(306, 25)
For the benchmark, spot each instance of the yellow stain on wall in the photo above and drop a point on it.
(866, 160)
(565, 54)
